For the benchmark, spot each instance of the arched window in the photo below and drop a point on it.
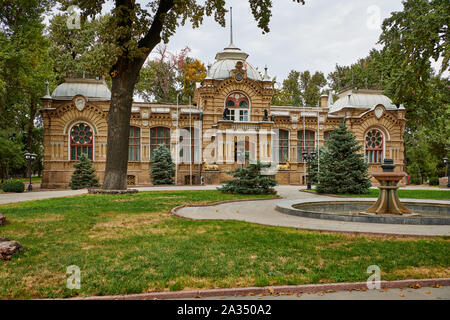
(190, 145)
(238, 106)
(374, 143)
(81, 141)
(282, 146)
(158, 136)
(134, 145)
(306, 141)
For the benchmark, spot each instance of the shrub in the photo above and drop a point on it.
(434, 181)
(163, 169)
(13, 186)
(84, 174)
(342, 166)
(415, 174)
(250, 180)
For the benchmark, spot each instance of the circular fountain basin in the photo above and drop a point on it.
(425, 212)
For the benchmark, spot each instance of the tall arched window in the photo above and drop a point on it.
(134, 145)
(190, 145)
(81, 141)
(159, 135)
(374, 146)
(238, 107)
(306, 141)
(282, 146)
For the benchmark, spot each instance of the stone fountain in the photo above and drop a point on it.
(388, 201)
(387, 209)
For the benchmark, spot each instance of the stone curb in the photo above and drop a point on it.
(353, 233)
(276, 290)
(112, 192)
(174, 210)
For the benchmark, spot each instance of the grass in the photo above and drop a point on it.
(404, 193)
(127, 244)
(33, 179)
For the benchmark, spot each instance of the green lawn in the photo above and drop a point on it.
(131, 244)
(404, 193)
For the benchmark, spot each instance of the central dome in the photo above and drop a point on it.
(227, 58)
(226, 62)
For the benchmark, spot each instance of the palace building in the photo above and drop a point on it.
(231, 115)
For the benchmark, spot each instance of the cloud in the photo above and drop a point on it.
(312, 37)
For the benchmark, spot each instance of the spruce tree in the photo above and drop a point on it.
(84, 174)
(342, 165)
(249, 180)
(163, 169)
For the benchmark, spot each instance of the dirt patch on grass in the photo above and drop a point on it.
(422, 272)
(122, 225)
(41, 279)
(125, 200)
(50, 218)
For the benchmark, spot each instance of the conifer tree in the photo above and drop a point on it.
(84, 174)
(250, 180)
(342, 167)
(163, 169)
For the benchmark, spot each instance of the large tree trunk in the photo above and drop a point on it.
(125, 74)
(119, 125)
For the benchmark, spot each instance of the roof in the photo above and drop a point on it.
(362, 99)
(92, 89)
(226, 62)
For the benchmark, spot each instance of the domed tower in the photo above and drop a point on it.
(235, 101)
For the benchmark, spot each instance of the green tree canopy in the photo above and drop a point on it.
(163, 168)
(342, 165)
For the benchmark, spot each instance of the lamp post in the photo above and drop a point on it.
(177, 134)
(448, 173)
(30, 157)
(308, 157)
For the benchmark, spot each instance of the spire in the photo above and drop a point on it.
(231, 26)
(330, 99)
(47, 93)
(231, 45)
(266, 76)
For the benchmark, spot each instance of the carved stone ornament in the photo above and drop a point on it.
(379, 112)
(80, 102)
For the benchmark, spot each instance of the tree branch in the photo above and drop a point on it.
(153, 36)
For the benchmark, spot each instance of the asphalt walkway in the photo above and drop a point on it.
(261, 212)
(424, 293)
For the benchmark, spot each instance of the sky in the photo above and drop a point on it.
(315, 36)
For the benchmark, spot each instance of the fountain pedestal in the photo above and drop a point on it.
(388, 201)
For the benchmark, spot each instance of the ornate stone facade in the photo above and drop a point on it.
(231, 113)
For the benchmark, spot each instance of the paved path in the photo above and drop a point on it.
(263, 212)
(442, 293)
(39, 195)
